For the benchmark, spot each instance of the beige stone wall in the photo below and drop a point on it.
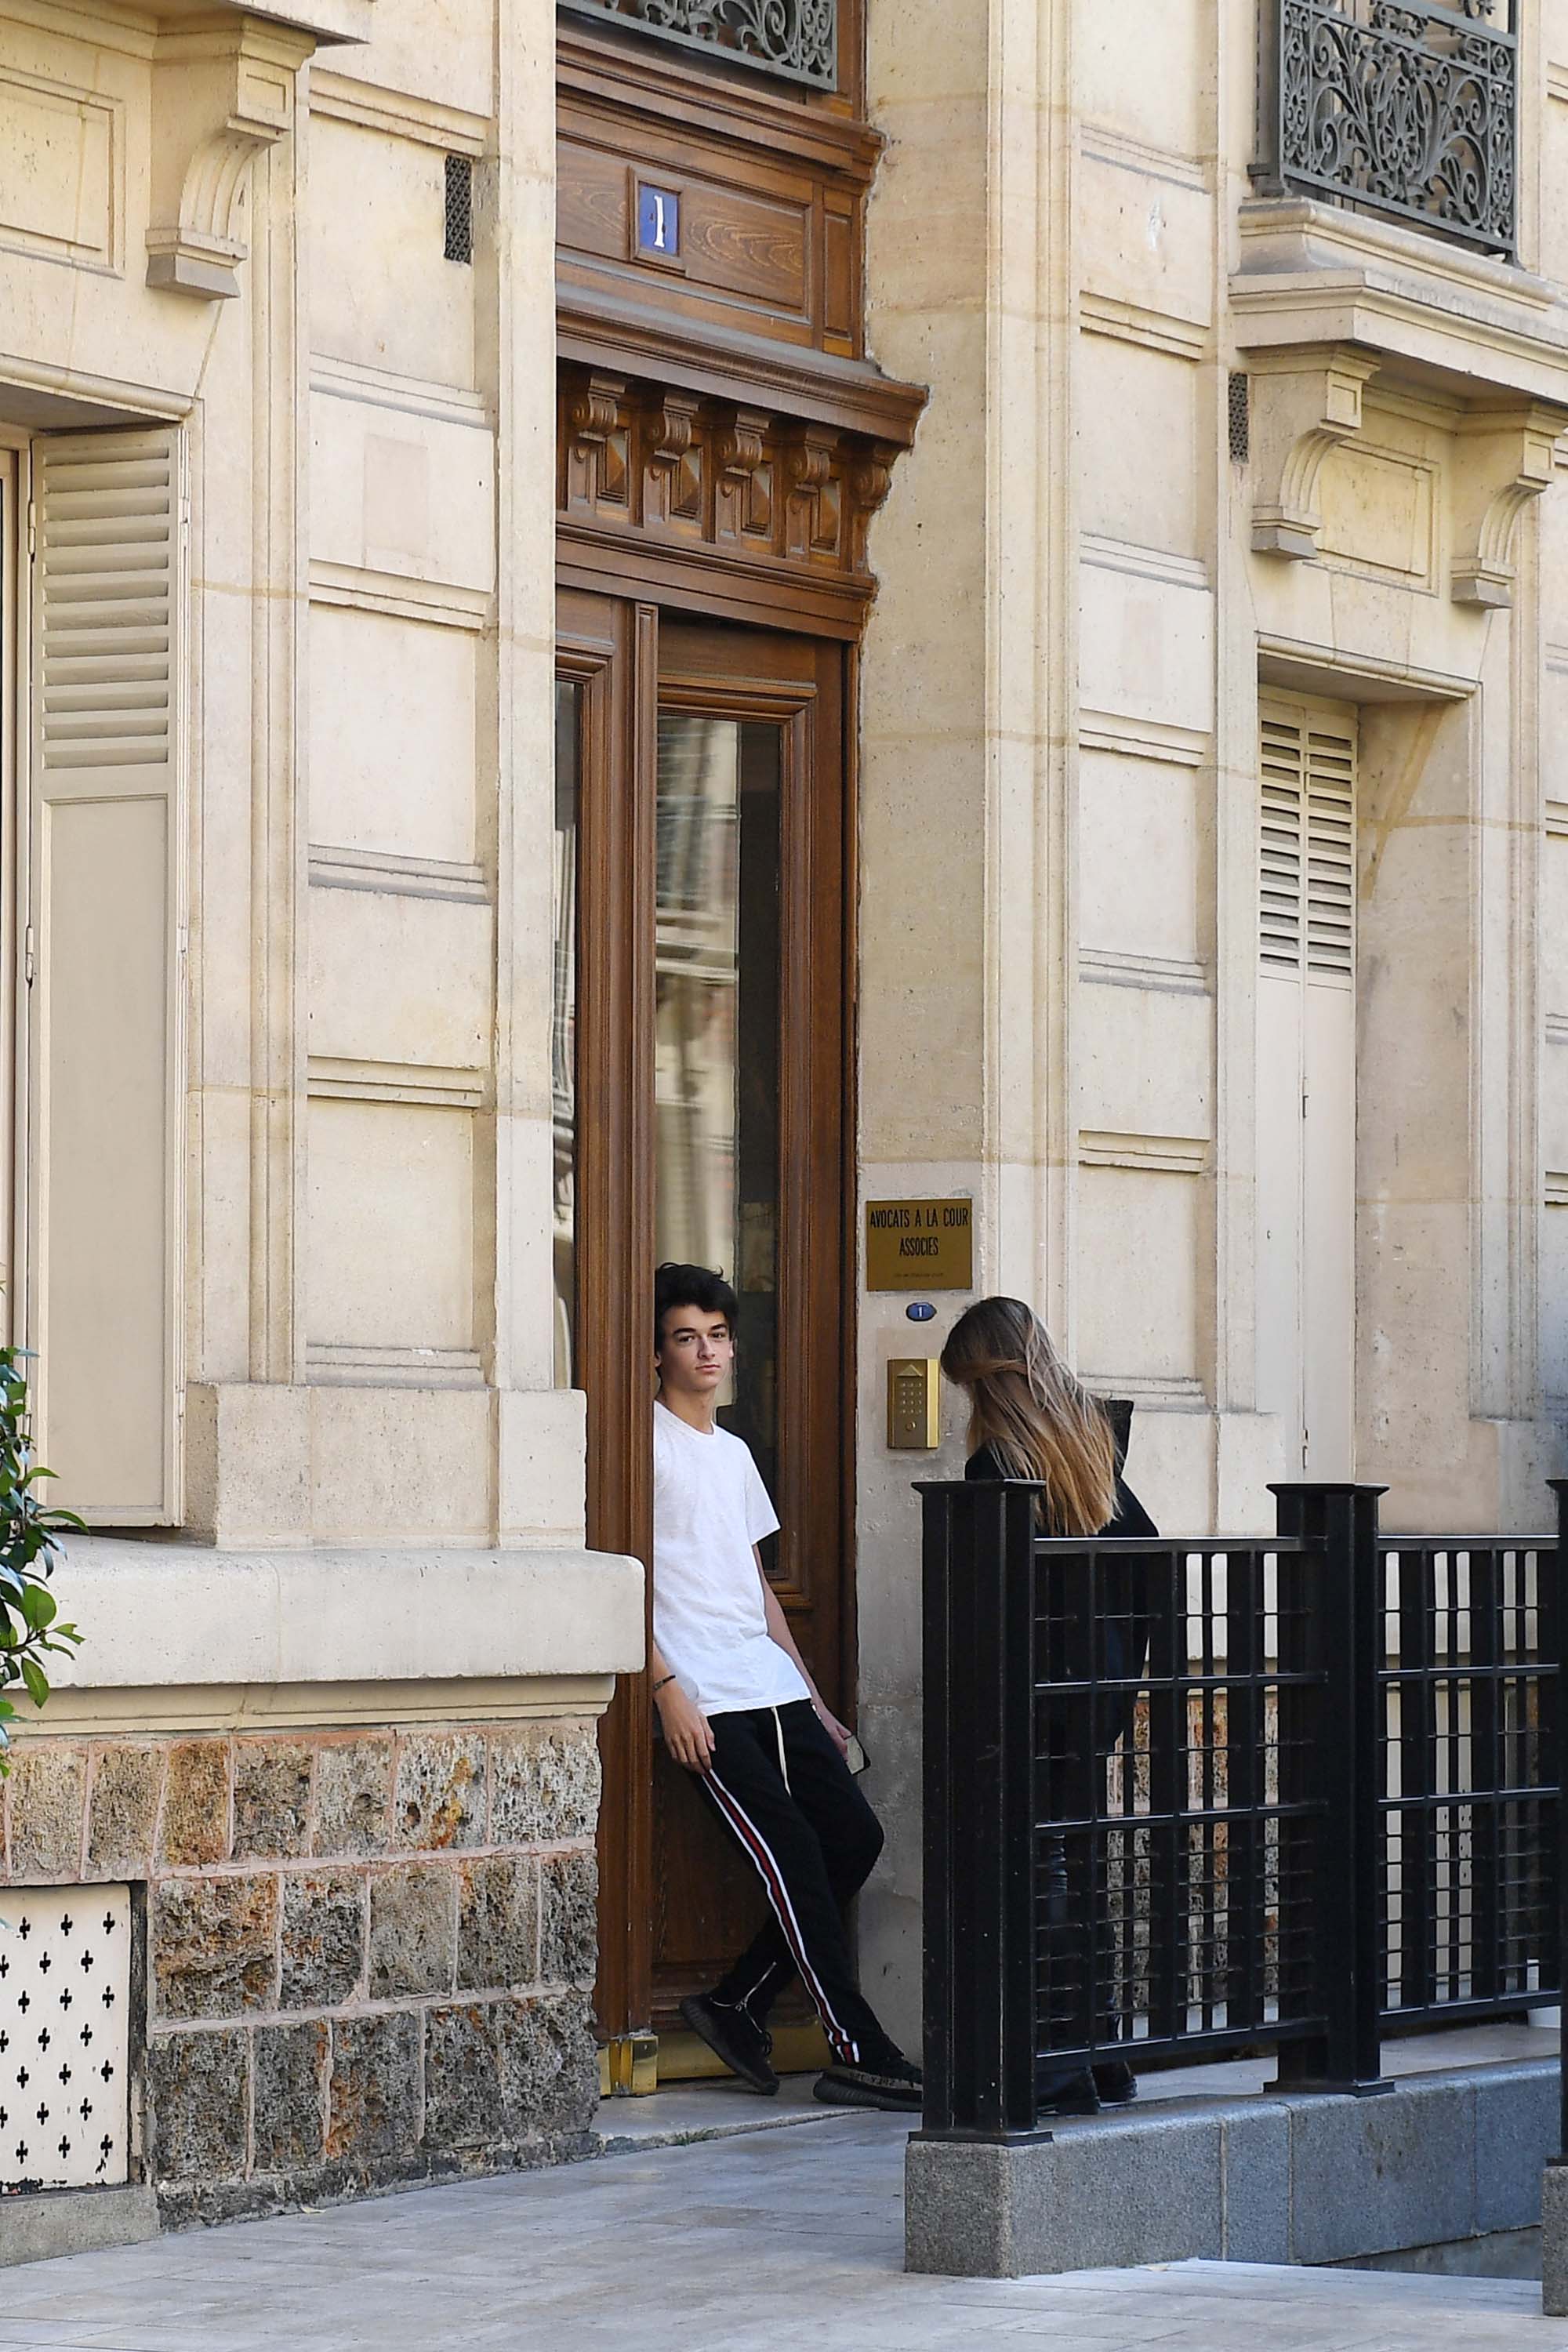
(1083, 597)
(359, 1284)
(368, 1954)
(339, 1733)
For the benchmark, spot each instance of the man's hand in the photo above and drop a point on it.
(836, 1731)
(687, 1734)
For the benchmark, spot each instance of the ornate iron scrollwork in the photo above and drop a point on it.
(1405, 107)
(797, 39)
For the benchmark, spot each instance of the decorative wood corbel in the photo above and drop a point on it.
(672, 457)
(1305, 401)
(596, 442)
(870, 480)
(812, 521)
(221, 93)
(744, 475)
(1502, 459)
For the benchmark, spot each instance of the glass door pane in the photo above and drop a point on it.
(717, 1034)
(563, 1025)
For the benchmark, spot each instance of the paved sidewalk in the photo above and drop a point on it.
(730, 2245)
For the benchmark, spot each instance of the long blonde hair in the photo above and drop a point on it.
(1037, 1419)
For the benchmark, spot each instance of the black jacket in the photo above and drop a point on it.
(1128, 1600)
(1130, 1518)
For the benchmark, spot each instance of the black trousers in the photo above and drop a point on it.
(779, 1787)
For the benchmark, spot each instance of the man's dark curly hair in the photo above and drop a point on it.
(690, 1285)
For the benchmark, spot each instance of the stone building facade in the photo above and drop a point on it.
(274, 741)
(1228, 558)
(1103, 578)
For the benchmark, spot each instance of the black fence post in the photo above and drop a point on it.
(1555, 1654)
(1342, 1590)
(979, 1783)
(1264, 169)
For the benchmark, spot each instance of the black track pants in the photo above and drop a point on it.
(781, 1787)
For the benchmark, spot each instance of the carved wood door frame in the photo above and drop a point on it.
(659, 1856)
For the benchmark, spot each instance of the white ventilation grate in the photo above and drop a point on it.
(65, 2015)
(1307, 846)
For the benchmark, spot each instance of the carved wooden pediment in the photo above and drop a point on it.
(723, 501)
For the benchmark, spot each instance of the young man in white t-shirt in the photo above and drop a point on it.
(738, 1708)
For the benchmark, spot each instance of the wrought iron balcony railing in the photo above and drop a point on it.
(1408, 107)
(796, 39)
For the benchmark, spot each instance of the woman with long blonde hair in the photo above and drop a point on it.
(1030, 1417)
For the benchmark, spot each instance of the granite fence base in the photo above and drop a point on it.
(1298, 2177)
(365, 1957)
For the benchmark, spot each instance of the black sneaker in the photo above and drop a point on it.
(1059, 2093)
(732, 2035)
(1115, 2084)
(890, 2082)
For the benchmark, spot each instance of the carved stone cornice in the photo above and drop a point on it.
(222, 92)
(759, 503)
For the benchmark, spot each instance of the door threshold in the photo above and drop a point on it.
(689, 2112)
(686, 2058)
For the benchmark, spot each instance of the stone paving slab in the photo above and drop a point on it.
(716, 2108)
(726, 2246)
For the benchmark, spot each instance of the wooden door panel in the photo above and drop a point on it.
(606, 647)
(677, 1899)
(708, 1901)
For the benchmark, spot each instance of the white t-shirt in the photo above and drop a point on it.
(709, 1507)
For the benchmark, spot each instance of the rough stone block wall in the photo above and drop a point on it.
(369, 1954)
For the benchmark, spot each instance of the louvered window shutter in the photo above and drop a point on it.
(1279, 861)
(1306, 905)
(103, 1027)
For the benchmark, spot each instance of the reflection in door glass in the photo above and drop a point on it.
(563, 1025)
(717, 1034)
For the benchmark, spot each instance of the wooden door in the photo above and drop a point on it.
(707, 932)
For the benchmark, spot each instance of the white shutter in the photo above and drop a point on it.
(1279, 851)
(1306, 1076)
(1331, 852)
(103, 1010)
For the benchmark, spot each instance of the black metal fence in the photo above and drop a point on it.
(1471, 1641)
(1199, 1796)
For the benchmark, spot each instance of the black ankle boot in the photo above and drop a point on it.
(1067, 2091)
(1115, 2083)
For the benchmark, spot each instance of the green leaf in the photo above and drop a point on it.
(40, 1607)
(31, 1540)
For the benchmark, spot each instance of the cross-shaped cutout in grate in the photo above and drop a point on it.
(64, 2081)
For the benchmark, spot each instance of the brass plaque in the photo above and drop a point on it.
(920, 1244)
